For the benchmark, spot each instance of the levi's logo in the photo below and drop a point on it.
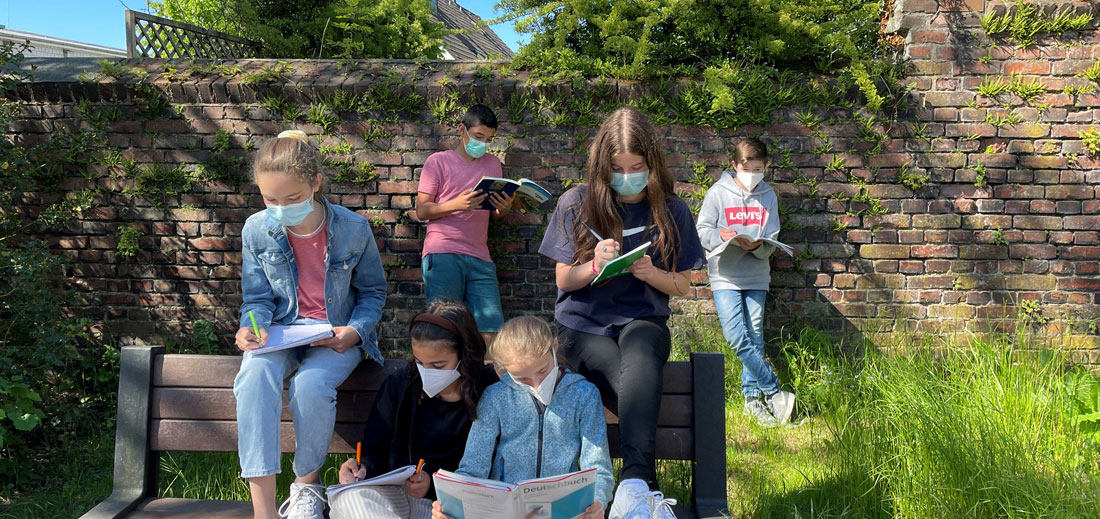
(745, 215)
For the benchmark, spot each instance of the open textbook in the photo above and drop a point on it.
(556, 497)
(283, 337)
(528, 193)
(778, 244)
(618, 266)
(393, 477)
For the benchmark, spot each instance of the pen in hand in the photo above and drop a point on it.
(358, 457)
(255, 328)
(597, 235)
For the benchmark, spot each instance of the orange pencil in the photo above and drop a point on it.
(358, 456)
(419, 466)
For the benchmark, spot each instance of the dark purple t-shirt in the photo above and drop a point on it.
(605, 309)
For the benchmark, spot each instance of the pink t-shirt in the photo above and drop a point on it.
(309, 253)
(445, 176)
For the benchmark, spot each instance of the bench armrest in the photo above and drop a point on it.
(115, 506)
(135, 466)
(709, 476)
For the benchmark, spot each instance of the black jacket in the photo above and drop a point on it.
(387, 435)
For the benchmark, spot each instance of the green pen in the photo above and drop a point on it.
(255, 329)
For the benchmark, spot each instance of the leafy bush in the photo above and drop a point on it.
(319, 28)
(57, 381)
(634, 39)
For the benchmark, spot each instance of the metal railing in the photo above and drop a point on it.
(149, 36)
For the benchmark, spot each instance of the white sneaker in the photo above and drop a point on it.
(757, 409)
(306, 501)
(662, 508)
(781, 405)
(633, 500)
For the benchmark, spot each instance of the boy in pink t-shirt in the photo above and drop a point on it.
(455, 261)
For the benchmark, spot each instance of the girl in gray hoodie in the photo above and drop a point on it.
(742, 203)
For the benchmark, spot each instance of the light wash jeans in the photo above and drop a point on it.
(741, 313)
(259, 391)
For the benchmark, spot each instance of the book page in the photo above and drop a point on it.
(557, 497)
(464, 497)
(393, 477)
(283, 337)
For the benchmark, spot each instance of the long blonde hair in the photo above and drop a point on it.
(290, 154)
(626, 130)
(523, 336)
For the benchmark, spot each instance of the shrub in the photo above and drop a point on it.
(57, 381)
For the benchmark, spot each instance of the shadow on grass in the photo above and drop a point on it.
(851, 494)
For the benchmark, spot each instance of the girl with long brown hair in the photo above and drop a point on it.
(616, 333)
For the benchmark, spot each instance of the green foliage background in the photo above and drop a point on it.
(685, 37)
(319, 28)
(57, 381)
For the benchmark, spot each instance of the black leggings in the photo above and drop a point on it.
(628, 371)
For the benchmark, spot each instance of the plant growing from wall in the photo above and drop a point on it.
(1025, 22)
(1091, 139)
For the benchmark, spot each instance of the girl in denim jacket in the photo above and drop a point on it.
(539, 420)
(304, 261)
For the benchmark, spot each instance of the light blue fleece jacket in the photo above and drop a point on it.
(504, 440)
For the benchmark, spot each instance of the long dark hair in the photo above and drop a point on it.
(626, 130)
(467, 344)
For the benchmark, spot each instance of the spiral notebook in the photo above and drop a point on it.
(283, 337)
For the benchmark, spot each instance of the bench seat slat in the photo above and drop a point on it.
(220, 370)
(351, 406)
(221, 436)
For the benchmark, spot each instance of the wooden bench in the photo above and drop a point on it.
(186, 403)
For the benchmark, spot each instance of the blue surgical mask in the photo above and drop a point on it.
(629, 184)
(474, 147)
(291, 214)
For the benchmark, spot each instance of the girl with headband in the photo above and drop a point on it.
(424, 410)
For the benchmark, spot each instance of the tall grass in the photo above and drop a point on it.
(948, 427)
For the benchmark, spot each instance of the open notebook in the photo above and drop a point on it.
(283, 337)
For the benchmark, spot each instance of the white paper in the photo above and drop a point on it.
(721, 248)
(283, 337)
(393, 477)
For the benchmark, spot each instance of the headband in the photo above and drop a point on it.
(436, 320)
(294, 134)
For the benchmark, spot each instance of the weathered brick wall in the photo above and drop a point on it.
(955, 251)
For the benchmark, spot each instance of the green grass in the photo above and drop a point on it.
(74, 487)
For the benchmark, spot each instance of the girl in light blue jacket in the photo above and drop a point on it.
(539, 420)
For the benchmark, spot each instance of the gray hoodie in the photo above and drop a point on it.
(727, 205)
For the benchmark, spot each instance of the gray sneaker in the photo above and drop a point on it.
(306, 501)
(781, 405)
(757, 409)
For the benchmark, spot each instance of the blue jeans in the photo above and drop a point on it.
(741, 313)
(312, 402)
(468, 279)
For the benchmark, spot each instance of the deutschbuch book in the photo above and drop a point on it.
(556, 497)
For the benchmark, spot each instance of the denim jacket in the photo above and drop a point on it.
(355, 284)
(511, 440)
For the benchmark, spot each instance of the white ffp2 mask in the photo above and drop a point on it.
(436, 380)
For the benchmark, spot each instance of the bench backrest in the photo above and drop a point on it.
(192, 407)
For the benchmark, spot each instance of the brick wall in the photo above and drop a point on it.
(954, 252)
